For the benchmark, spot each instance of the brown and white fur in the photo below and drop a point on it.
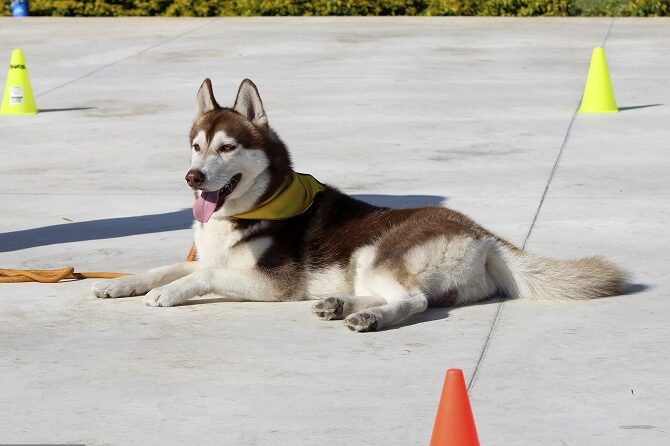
(371, 266)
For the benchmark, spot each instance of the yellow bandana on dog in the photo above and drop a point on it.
(293, 198)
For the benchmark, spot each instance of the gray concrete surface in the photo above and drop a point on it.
(474, 113)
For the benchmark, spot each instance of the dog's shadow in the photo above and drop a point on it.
(95, 230)
(401, 201)
(151, 223)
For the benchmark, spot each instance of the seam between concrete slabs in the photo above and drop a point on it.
(116, 62)
(496, 318)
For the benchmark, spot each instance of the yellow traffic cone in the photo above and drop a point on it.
(598, 93)
(18, 98)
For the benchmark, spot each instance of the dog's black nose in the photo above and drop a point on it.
(195, 178)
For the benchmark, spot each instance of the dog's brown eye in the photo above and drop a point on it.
(227, 148)
(196, 147)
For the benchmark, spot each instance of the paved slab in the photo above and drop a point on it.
(472, 113)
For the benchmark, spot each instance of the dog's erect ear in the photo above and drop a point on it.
(205, 101)
(248, 103)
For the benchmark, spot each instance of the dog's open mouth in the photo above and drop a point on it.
(209, 202)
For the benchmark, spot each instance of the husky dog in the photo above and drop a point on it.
(371, 266)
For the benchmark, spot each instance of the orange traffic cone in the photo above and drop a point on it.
(454, 424)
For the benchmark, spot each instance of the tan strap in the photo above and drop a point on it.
(192, 254)
(51, 275)
(67, 273)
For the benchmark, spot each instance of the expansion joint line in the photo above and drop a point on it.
(116, 62)
(494, 323)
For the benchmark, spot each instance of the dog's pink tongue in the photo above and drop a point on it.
(205, 206)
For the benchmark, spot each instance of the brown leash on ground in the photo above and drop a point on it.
(67, 273)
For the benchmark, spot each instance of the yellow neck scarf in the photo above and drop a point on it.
(294, 197)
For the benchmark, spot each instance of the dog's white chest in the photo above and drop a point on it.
(220, 244)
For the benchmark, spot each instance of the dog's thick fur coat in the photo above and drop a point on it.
(371, 266)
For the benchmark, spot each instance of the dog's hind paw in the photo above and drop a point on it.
(363, 321)
(329, 309)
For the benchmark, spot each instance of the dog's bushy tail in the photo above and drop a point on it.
(524, 275)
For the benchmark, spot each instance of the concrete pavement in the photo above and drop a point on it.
(475, 113)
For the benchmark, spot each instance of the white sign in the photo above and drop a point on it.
(16, 95)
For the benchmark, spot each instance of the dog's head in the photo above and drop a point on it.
(237, 160)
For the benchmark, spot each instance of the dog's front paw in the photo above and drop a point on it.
(165, 296)
(121, 287)
(329, 309)
(363, 321)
